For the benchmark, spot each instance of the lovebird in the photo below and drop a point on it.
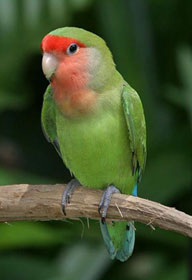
(95, 121)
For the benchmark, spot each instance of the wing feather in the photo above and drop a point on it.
(48, 119)
(135, 120)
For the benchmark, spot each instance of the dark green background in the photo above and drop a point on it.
(151, 44)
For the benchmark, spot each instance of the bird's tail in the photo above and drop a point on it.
(119, 237)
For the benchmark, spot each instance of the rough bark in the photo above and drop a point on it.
(43, 202)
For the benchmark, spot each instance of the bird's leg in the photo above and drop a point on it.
(105, 200)
(71, 186)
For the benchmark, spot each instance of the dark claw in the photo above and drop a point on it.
(105, 201)
(68, 199)
(71, 186)
(63, 209)
(103, 220)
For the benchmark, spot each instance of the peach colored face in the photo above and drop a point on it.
(65, 59)
(72, 72)
(66, 63)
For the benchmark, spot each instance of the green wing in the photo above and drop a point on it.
(135, 119)
(48, 119)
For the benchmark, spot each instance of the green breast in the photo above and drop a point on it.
(96, 149)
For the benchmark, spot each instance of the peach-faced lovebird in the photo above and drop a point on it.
(96, 122)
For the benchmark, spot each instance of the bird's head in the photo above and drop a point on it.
(75, 57)
(76, 61)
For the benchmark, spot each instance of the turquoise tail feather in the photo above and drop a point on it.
(107, 239)
(128, 243)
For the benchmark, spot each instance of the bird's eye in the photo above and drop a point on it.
(73, 48)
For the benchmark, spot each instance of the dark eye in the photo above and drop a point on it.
(73, 48)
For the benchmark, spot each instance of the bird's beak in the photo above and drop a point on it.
(49, 65)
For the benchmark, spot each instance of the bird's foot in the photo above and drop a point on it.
(105, 200)
(71, 186)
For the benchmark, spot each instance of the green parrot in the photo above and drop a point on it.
(96, 123)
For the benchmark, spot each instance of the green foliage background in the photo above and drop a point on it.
(151, 43)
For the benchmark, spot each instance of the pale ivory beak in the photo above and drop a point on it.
(49, 65)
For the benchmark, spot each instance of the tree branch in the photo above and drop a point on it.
(43, 202)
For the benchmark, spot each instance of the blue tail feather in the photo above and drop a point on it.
(128, 244)
(107, 240)
(134, 193)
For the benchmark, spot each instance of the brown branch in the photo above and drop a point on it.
(43, 202)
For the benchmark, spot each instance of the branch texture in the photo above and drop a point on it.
(43, 202)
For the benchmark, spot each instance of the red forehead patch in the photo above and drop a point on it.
(58, 43)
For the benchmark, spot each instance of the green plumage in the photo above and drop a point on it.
(106, 147)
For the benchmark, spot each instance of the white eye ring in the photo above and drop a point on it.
(72, 49)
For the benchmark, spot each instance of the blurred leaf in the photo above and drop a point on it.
(40, 234)
(22, 267)
(167, 175)
(32, 12)
(83, 262)
(185, 67)
(78, 262)
(7, 14)
(175, 96)
(145, 265)
(59, 10)
(160, 237)
(30, 234)
(12, 101)
(79, 4)
(9, 177)
(176, 271)
(183, 96)
(184, 56)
